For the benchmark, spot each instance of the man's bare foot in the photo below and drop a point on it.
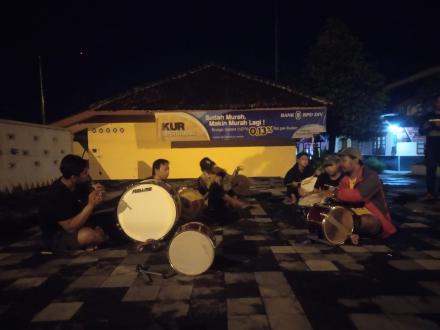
(354, 239)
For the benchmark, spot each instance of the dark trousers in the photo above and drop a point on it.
(432, 160)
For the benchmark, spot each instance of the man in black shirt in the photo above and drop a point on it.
(431, 129)
(64, 210)
(332, 174)
(300, 171)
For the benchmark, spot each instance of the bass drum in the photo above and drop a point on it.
(148, 210)
(335, 223)
(192, 249)
(193, 203)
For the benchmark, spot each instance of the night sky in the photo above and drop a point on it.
(93, 50)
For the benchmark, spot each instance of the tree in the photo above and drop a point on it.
(338, 70)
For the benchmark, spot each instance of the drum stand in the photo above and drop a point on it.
(147, 275)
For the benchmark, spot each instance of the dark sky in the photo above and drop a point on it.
(95, 49)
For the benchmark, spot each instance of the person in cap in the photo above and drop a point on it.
(362, 191)
(331, 177)
(221, 204)
(292, 180)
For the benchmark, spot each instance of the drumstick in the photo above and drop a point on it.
(338, 225)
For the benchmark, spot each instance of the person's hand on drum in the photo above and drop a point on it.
(95, 198)
(99, 188)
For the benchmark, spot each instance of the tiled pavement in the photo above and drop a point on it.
(267, 275)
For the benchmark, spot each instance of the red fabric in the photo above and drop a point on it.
(346, 194)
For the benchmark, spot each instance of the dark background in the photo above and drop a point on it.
(93, 50)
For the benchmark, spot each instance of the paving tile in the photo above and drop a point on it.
(232, 278)
(273, 284)
(302, 248)
(432, 286)
(414, 225)
(293, 231)
(231, 231)
(27, 283)
(354, 303)
(429, 264)
(372, 321)
(293, 266)
(5, 255)
(339, 257)
(207, 309)
(113, 253)
(261, 220)
(87, 282)
(244, 306)
(85, 259)
(170, 309)
(408, 265)
(257, 210)
(175, 292)
(433, 253)
(289, 322)
(58, 312)
(354, 249)
(283, 249)
(282, 305)
(378, 248)
(142, 293)
(254, 237)
(354, 266)
(248, 322)
(409, 322)
(212, 291)
(124, 269)
(321, 265)
(394, 305)
(425, 305)
(117, 281)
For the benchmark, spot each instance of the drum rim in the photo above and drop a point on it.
(177, 234)
(118, 224)
(320, 205)
(325, 233)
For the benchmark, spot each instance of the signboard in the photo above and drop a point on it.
(240, 125)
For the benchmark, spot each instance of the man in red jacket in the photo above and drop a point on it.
(362, 190)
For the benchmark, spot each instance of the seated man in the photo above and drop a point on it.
(209, 169)
(221, 205)
(362, 189)
(331, 177)
(161, 170)
(64, 212)
(300, 171)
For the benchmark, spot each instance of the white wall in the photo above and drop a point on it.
(30, 154)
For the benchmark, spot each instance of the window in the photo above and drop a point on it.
(379, 145)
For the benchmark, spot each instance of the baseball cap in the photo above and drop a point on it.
(206, 164)
(352, 152)
(331, 159)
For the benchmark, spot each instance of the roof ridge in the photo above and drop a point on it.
(199, 68)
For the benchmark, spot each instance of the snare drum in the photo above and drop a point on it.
(192, 201)
(192, 249)
(310, 200)
(334, 222)
(148, 210)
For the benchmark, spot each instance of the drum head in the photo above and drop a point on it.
(240, 184)
(146, 211)
(191, 252)
(310, 200)
(339, 227)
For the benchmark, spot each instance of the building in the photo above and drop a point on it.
(213, 111)
(399, 144)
